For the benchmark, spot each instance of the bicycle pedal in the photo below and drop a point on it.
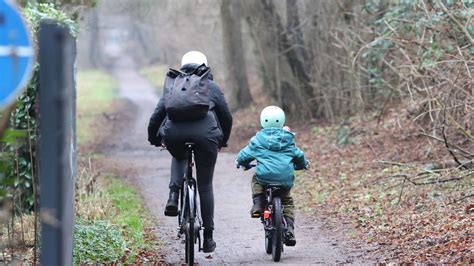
(255, 215)
(171, 212)
(290, 243)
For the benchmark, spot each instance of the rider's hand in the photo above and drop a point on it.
(223, 146)
(246, 166)
(154, 143)
(306, 167)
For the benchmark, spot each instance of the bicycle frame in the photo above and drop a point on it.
(270, 193)
(274, 229)
(189, 205)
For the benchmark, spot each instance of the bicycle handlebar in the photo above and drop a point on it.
(246, 167)
(249, 166)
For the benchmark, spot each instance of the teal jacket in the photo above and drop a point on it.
(276, 154)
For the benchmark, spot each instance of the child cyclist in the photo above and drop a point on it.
(277, 157)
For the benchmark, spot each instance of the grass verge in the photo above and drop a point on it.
(129, 213)
(111, 222)
(96, 93)
(112, 225)
(155, 74)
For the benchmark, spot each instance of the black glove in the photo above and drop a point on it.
(246, 166)
(154, 141)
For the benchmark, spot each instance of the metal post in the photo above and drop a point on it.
(56, 143)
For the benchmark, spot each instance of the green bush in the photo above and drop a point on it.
(18, 155)
(425, 32)
(98, 242)
(35, 12)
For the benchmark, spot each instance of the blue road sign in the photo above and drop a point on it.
(16, 53)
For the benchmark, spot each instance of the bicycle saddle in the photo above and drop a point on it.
(190, 144)
(275, 186)
(276, 189)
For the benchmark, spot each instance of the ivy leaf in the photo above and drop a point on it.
(12, 134)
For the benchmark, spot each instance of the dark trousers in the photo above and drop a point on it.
(205, 156)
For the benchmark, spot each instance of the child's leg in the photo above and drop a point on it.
(256, 187)
(258, 198)
(288, 204)
(289, 214)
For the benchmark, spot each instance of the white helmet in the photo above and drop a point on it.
(194, 57)
(272, 116)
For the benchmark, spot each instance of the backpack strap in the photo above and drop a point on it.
(201, 70)
(173, 73)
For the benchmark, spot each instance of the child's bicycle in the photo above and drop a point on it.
(274, 223)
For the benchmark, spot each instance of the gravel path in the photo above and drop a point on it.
(240, 239)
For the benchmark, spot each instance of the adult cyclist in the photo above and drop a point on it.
(210, 134)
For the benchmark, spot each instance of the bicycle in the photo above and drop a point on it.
(274, 224)
(189, 218)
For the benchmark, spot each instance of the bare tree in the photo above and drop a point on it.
(281, 54)
(94, 36)
(236, 82)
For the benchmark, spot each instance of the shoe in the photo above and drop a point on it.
(209, 245)
(257, 208)
(290, 239)
(171, 208)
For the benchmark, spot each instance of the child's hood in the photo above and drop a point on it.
(275, 139)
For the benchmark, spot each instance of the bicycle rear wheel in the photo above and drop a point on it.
(277, 244)
(190, 231)
(268, 242)
(190, 237)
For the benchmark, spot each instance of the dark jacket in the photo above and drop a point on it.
(217, 124)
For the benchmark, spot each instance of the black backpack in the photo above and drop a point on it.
(187, 95)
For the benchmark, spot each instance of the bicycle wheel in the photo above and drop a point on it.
(190, 232)
(190, 242)
(277, 243)
(268, 242)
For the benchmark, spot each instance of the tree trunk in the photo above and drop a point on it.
(282, 61)
(298, 59)
(236, 72)
(295, 34)
(263, 33)
(94, 52)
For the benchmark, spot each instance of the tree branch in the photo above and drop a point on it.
(460, 199)
(446, 142)
(464, 30)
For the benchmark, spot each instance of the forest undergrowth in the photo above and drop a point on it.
(392, 162)
(394, 191)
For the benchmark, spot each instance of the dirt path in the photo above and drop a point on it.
(239, 239)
